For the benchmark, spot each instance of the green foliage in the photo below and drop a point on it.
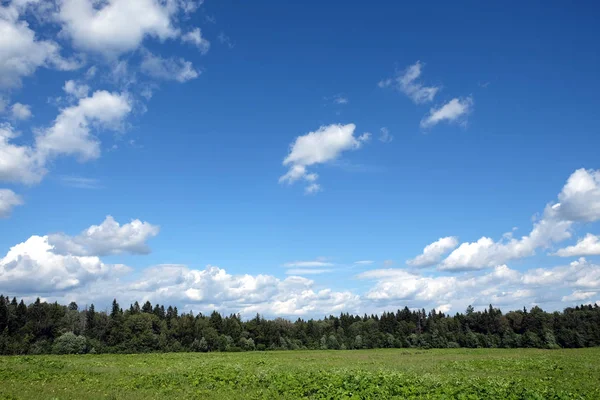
(36, 329)
(69, 343)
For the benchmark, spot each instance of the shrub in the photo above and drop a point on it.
(69, 343)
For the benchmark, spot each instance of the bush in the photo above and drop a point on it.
(69, 343)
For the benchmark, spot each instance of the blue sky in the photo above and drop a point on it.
(250, 153)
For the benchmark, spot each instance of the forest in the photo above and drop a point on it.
(51, 328)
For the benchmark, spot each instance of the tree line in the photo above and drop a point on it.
(43, 328)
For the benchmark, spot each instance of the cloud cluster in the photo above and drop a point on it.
(108, 238)
(454, 111)
(579, 201)
(91, 31)
(501, 286)
(321, 146)
(21, 51)
(32, 267)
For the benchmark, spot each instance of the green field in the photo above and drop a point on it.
(362, 374)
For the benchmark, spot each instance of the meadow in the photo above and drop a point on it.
(352, 374)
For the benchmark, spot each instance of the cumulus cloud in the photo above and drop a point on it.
(588, 246)
(195, 37)
(407, 83)
(21, 52)
(71, 132)
(32, 267)
(322, 146)
(213, 287)
(176, 69)
(433, 253)
(108, 238)
(579, 201)
(114, 27)
(501, 286)
(455, 110)
(20, 111)
(18, 163)
(578, 296)
(8, 200)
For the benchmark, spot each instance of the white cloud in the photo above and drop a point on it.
(8, 200)
(307, 264)
(588, 246)
(580, 197)
(80, 182)
(580, 201)
(306, 271)
(213, 287)
(21, 53)
(407, 83)
(453, 111)
(365, 137)
(364, 262)
(20, 111)
(195, 37)
(502, 286)
(578, 295)
(312, 188)
(76, 89)
(433, 253)
(322, 146)
(31, 267)
(385, 136)
(340, 99)
(18, 163)
(114, 27)
(108, 238)
(579, 274)
(176, 69)
(399, 284)
(71, 132)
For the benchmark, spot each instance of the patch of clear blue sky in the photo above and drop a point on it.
(209, 152)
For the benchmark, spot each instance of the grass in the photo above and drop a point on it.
(365, 374)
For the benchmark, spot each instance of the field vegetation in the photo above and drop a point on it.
(350, 374)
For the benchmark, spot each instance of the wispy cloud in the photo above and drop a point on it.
(225, 40)
(455, 110)
(340, 99)
(80, 182)
(407, 82)
(308, 264)
(386, 136)
(307, 271)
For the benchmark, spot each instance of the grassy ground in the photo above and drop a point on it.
(365, 374)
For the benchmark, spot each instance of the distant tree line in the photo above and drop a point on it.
(42, 328)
